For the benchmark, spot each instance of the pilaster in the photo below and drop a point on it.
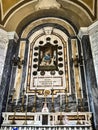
(92, 31)
(93, 35)
(3, 48)
(89, 42)
(8, 45)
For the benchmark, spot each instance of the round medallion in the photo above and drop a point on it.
(48, 38)
(42, 72)
(35, 60)
(47, 92)
(35, 54)
(35, 65)
(55, 41)
(60, 72)
(59, 47)
(60, 65)
(35, 73)
(41, 42)
(52, 72)
(60, 59)
(60, 53)
(36, 48)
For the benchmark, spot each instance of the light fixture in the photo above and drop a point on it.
(16, 61)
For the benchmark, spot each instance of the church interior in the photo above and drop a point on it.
(49, 64)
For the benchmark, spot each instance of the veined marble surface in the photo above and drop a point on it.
(3, 49)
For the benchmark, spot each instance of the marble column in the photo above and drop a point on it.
(90, 68)
(8, 40)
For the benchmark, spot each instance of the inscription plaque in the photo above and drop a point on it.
(48, 82)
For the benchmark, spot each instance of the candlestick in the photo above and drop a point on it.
(26, 100)
(81, 100)
(13, 94)
(79, 91)
(25, 122)
(66, 100)
(78, 122)
(22, 106)
(34, 106)
(16, 101)
(52, 91)
(13, 120)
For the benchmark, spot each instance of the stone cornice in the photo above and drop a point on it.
(88, 30)
(13, 36)
(93, 28)
(82, 31)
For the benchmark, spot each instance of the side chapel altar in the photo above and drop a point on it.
(47, 91)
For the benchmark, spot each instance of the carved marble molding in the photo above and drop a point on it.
(82, 31)
(91, 30)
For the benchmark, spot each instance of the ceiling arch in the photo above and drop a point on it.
(16, 14)
(6, 6)
(50, 21)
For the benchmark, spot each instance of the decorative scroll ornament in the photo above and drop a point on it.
(47, 92)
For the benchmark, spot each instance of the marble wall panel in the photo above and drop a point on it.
(94, 47)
